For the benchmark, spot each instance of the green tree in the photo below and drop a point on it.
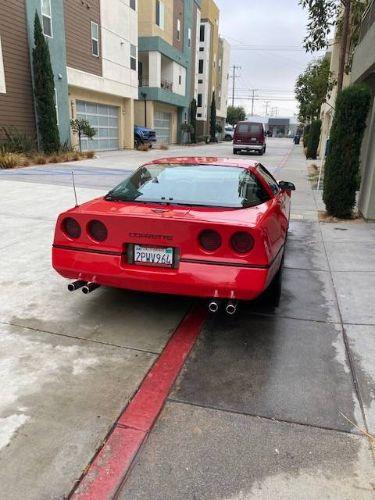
(213, 119)
(323, 17)
(341, 175)
(44, 92)
(82, 127)
(311, 89)
(193, 120)
(235, 114)
(313, 140)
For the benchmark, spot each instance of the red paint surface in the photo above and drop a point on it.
(105, 475)
(222, 273)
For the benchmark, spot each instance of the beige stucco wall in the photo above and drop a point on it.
(146, 20)
(126, 113)
(210, 12)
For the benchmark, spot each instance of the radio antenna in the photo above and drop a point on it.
(74, 189)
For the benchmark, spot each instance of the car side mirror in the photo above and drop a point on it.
(287, 186)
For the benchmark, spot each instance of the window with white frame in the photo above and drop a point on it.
(178, 29)
(95, 39)
(189, 37)
(133, 4)
(2, 73)
(159, 14)
(47, 18)
(133, 57)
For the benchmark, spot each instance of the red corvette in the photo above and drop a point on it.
(205, 227)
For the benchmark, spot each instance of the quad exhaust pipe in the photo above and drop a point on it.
(213, 306)
(76, 285)
(230, 308)
(90, 287)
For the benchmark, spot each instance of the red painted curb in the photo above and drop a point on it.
(108, 469)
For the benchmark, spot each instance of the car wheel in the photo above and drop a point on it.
(235, 151)
(137, 142)
(261, 153)
(274, 290)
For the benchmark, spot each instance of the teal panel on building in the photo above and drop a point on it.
(57, 49)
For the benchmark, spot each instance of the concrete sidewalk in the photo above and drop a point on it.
(270, 404)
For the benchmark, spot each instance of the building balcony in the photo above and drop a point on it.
(364, 55)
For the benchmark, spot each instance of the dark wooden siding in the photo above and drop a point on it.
(16, 106)
(178, 13)
(78, 17)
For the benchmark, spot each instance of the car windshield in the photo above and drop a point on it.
(202, 185)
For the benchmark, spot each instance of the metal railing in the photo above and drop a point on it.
(367, 20)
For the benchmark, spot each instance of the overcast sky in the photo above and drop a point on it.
(253, 28)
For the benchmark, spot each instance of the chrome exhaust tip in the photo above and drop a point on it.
(76, 285)
(231, 308)
(213, 306)
(90, 287)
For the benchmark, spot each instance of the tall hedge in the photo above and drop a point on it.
(193, 120)
(313, 140)
(341, 176)
(44, 92)
(306, 132)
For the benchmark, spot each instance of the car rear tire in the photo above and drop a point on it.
(235, 151)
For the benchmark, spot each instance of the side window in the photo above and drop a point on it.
(47, 17)
(271, 181)
(95, 39)
(251, 191)
(133, 57)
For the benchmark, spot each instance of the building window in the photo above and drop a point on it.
(199, 115)
(178, 29)
(201, 49)
(189, 37)
(199, 103)
(220, 63)
(133, 4)
(159, 19)
(200, 81)
(47, 18)
(179, 79)
(133, 57)
(95, 39)
(2, 74)
(201, 35)
(200, 67)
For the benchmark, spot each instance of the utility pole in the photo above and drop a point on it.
(234, 76)
(252, 100)
(267, 103)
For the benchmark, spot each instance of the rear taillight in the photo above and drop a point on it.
(97, 230)
(242, 242)
(71, 228)
(210, 240)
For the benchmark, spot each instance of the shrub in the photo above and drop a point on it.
(10, 160)
(90, 155)
(143, 147)
(306, 132)
(341, 176)
(17, 142)
(313, 141)
(163, 147)
(40, 159)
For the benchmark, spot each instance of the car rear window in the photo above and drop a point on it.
(201, 185)
(249, 128)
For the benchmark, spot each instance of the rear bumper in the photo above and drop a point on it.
(249, 147)
(190, 279)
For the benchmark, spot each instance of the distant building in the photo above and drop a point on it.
(282, 127)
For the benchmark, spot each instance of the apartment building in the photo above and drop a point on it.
(221, 92)
(16, 96)
(363, 70)
(166, 73)
(207, 61)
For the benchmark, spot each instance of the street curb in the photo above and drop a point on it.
(106, 473)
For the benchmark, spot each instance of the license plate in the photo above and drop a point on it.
(153, 256)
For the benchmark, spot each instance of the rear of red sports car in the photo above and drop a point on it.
(199, 227)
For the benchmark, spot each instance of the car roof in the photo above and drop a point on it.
(206, 160)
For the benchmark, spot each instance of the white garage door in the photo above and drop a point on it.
(163, 127)
(105, 120)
